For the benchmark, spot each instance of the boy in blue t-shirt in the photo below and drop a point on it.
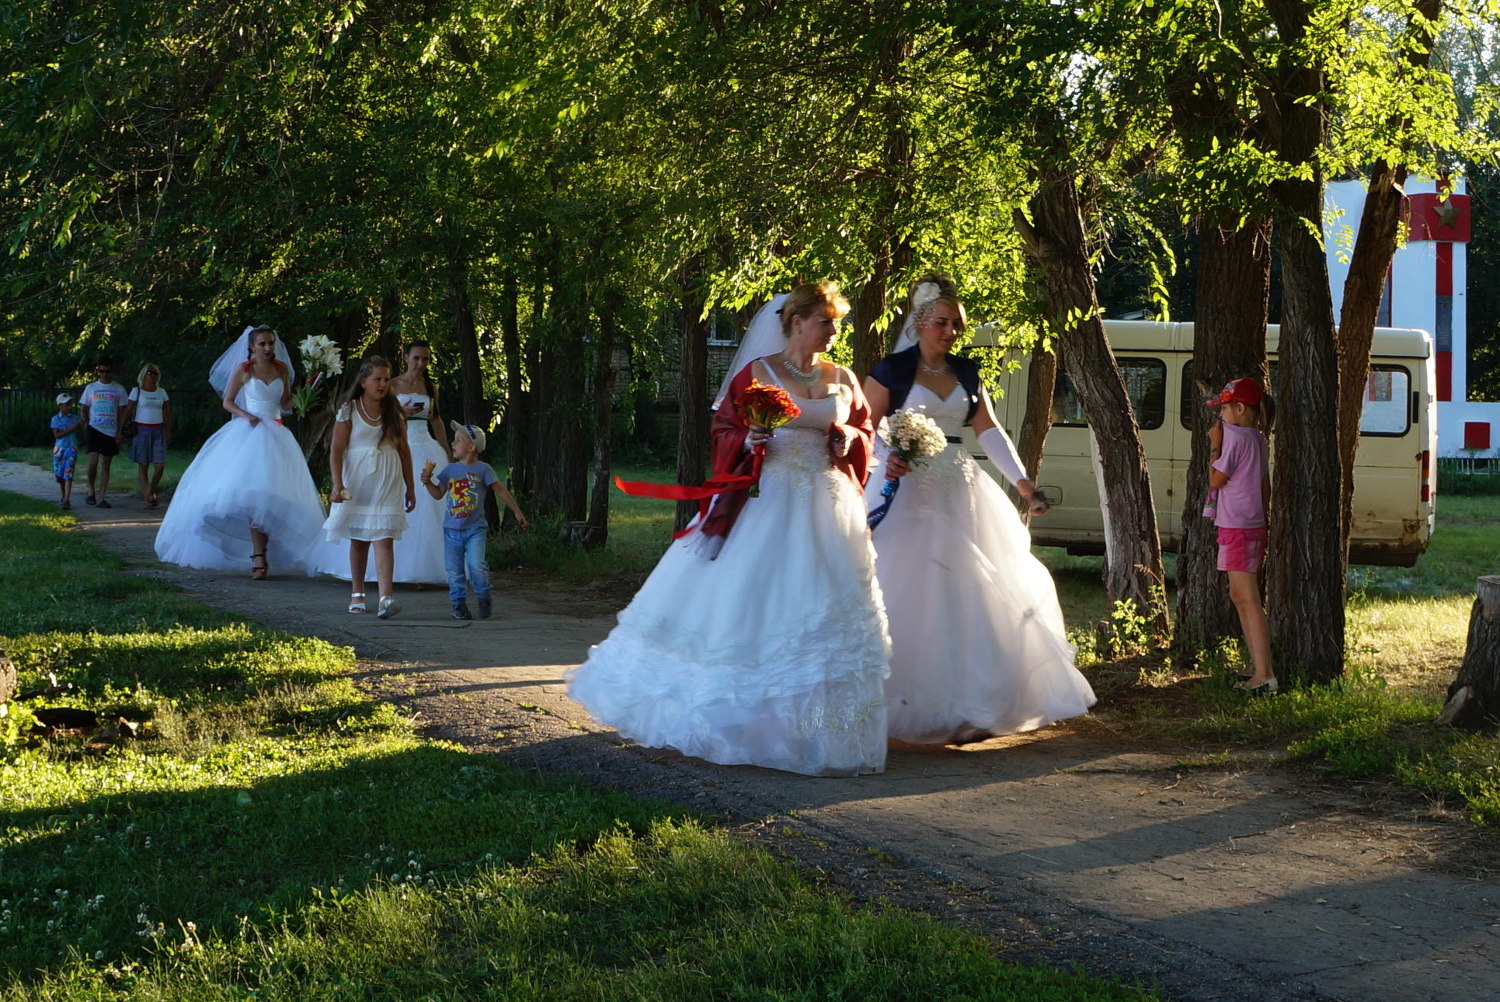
(464, 482)
(65, 427)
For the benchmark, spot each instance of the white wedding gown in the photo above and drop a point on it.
(419, 552)
(772, 654)
(977, 636)
(244, 476)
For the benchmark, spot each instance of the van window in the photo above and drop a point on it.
(1387, 408)
(1145, 382)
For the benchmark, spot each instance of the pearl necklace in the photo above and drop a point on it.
(806, 377)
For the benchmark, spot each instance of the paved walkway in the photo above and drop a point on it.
(1070, 844)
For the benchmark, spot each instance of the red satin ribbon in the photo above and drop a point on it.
(703, 493)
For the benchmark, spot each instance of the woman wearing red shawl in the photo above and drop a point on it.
(760, 636)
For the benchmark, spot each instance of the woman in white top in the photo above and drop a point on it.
(151, 411)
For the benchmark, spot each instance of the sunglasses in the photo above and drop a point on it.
(152, 372)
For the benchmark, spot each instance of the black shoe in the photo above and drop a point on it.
(461, 611)
(484, 607)
(104, 503)
(91, 499)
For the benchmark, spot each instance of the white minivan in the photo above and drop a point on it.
(1393, 476)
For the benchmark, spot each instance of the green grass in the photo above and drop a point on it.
(274, 833)
(122, 472)
(1405, 638)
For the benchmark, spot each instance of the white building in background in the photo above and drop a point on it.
(1426, 289)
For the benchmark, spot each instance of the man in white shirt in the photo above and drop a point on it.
(102, 403)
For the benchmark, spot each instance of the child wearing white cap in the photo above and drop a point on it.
(65, 425)
(464, 483)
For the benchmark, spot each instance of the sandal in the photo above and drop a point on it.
(357, 601)
(388, 607)
(260, 570)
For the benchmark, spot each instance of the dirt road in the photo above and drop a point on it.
(1070, 845)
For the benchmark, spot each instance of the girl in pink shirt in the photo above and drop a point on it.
(1240, 474)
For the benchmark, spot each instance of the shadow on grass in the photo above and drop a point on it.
(90, 874)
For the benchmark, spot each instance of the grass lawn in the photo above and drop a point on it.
(272, 833)
(122, 472)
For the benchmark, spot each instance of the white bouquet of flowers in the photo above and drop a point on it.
(914, 435)
(320, 359)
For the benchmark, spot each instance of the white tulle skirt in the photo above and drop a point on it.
(419, 551)
(772, 654)
(977, 635)
(243, 476)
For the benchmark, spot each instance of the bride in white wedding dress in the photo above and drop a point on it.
(978, 645)
(759, 637)
(247, 499)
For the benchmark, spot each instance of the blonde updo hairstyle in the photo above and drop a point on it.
(805, 300)
(924, 300)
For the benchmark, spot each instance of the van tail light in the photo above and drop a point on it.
(1426, 475)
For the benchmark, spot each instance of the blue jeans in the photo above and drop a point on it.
(463, 554)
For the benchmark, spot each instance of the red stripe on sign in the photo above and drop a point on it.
(1445, 375)
(1445, 269)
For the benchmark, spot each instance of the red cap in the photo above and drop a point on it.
(1241, 391)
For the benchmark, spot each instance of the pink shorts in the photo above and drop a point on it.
(1242, 549)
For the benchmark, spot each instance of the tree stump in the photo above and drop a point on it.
(7, 679)
(1474, 697)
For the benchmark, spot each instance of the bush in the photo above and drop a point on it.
(1468, 477)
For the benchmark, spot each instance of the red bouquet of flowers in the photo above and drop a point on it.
(768, 406)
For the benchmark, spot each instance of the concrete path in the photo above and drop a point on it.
(1070, 845)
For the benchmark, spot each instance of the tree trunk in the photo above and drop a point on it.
(517, 416)
(692, 388)
(465, 334)
(1474, 697)
(1056, 238)
(1229, 341)
(388, 340)
(563, 444)
(1381, 226)
(1041, 384)
(596, 532)
(1305, 576)
(890, 253)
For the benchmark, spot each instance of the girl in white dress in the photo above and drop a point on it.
(419, 551)
(978, 645)
(371, 488)
(771, 652)
(247, 496)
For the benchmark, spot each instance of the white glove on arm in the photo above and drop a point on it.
(1002, 452)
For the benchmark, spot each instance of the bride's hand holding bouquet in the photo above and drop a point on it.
(913, 437)
(765, 408)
